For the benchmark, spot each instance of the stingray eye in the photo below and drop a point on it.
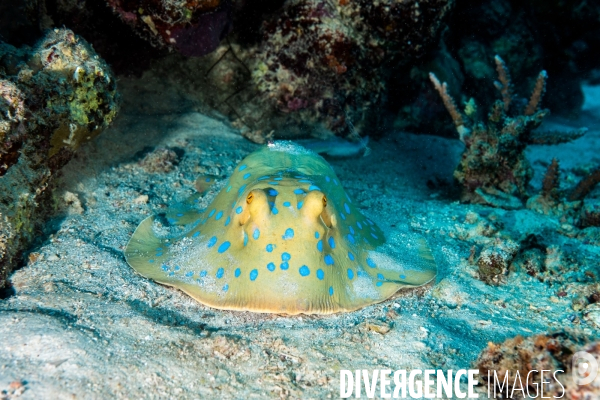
(250, 198)
(324, 201)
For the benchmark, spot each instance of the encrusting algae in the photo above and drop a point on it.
(282, 236)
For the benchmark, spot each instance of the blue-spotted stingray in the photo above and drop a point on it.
(282, 236)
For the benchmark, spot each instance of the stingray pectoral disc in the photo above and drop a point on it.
(282, 236)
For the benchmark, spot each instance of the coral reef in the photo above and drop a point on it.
(112, 38)
(493, 169)
(55, 97)
(194, 28)
(527, 357)
(327, 63)
(560, 37)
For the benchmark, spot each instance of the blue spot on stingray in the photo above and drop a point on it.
(275, 210)
(171, 273)
(380, 276)
(350, 274)
(228, 189)
(336, 182)
(331, 290)
(203, 274)
(223, 247)
(331, 242)
(402, 276)
(189, 274)
(370, 222)
(253, 274)
(227, 221)
(328, 179)
(159, 254)
(304, 181)
(271, 267)
(285, 257)
(371, 263)
(277, 179)
(220, 273)
(212, 213)
(256, 234)
(284, 265)
(304, 270)
(164, 268)
(242, 167)
(158, 248)
(171, 220)
(241, 189)
(247, 175)
(328, 260)
(320, 274)
(300, 204)
(343, 216)
(219, 215)
(379, 283)
(298, 191)
(177, 268)
(316, 235)
(289, 234)
(207, 180)
(196, 234)
(237, 272)
(351, 229)
(351, 239)
(180, 215)
(351, 256)
(359, 225)
(269, 248)
(245, 239)
(313, 187)
(239, 210)
(374, 235)
(320, 245)
(212, 241)
(348, 197)
(262, 178)
(286, 204)
(347, 208)
(273, 192)
(273, 183)
(226, 287)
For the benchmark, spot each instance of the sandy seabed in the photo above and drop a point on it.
(83, 324)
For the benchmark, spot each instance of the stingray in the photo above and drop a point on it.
(282, 236)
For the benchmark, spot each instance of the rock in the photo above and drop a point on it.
(56, 96)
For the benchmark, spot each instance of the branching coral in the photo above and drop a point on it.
(493, 169)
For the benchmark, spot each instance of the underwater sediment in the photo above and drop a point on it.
(514, 230)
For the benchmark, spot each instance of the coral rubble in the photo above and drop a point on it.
(55, 97)
(493, 169)
(518, 363)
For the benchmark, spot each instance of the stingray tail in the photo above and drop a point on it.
(413, 266)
